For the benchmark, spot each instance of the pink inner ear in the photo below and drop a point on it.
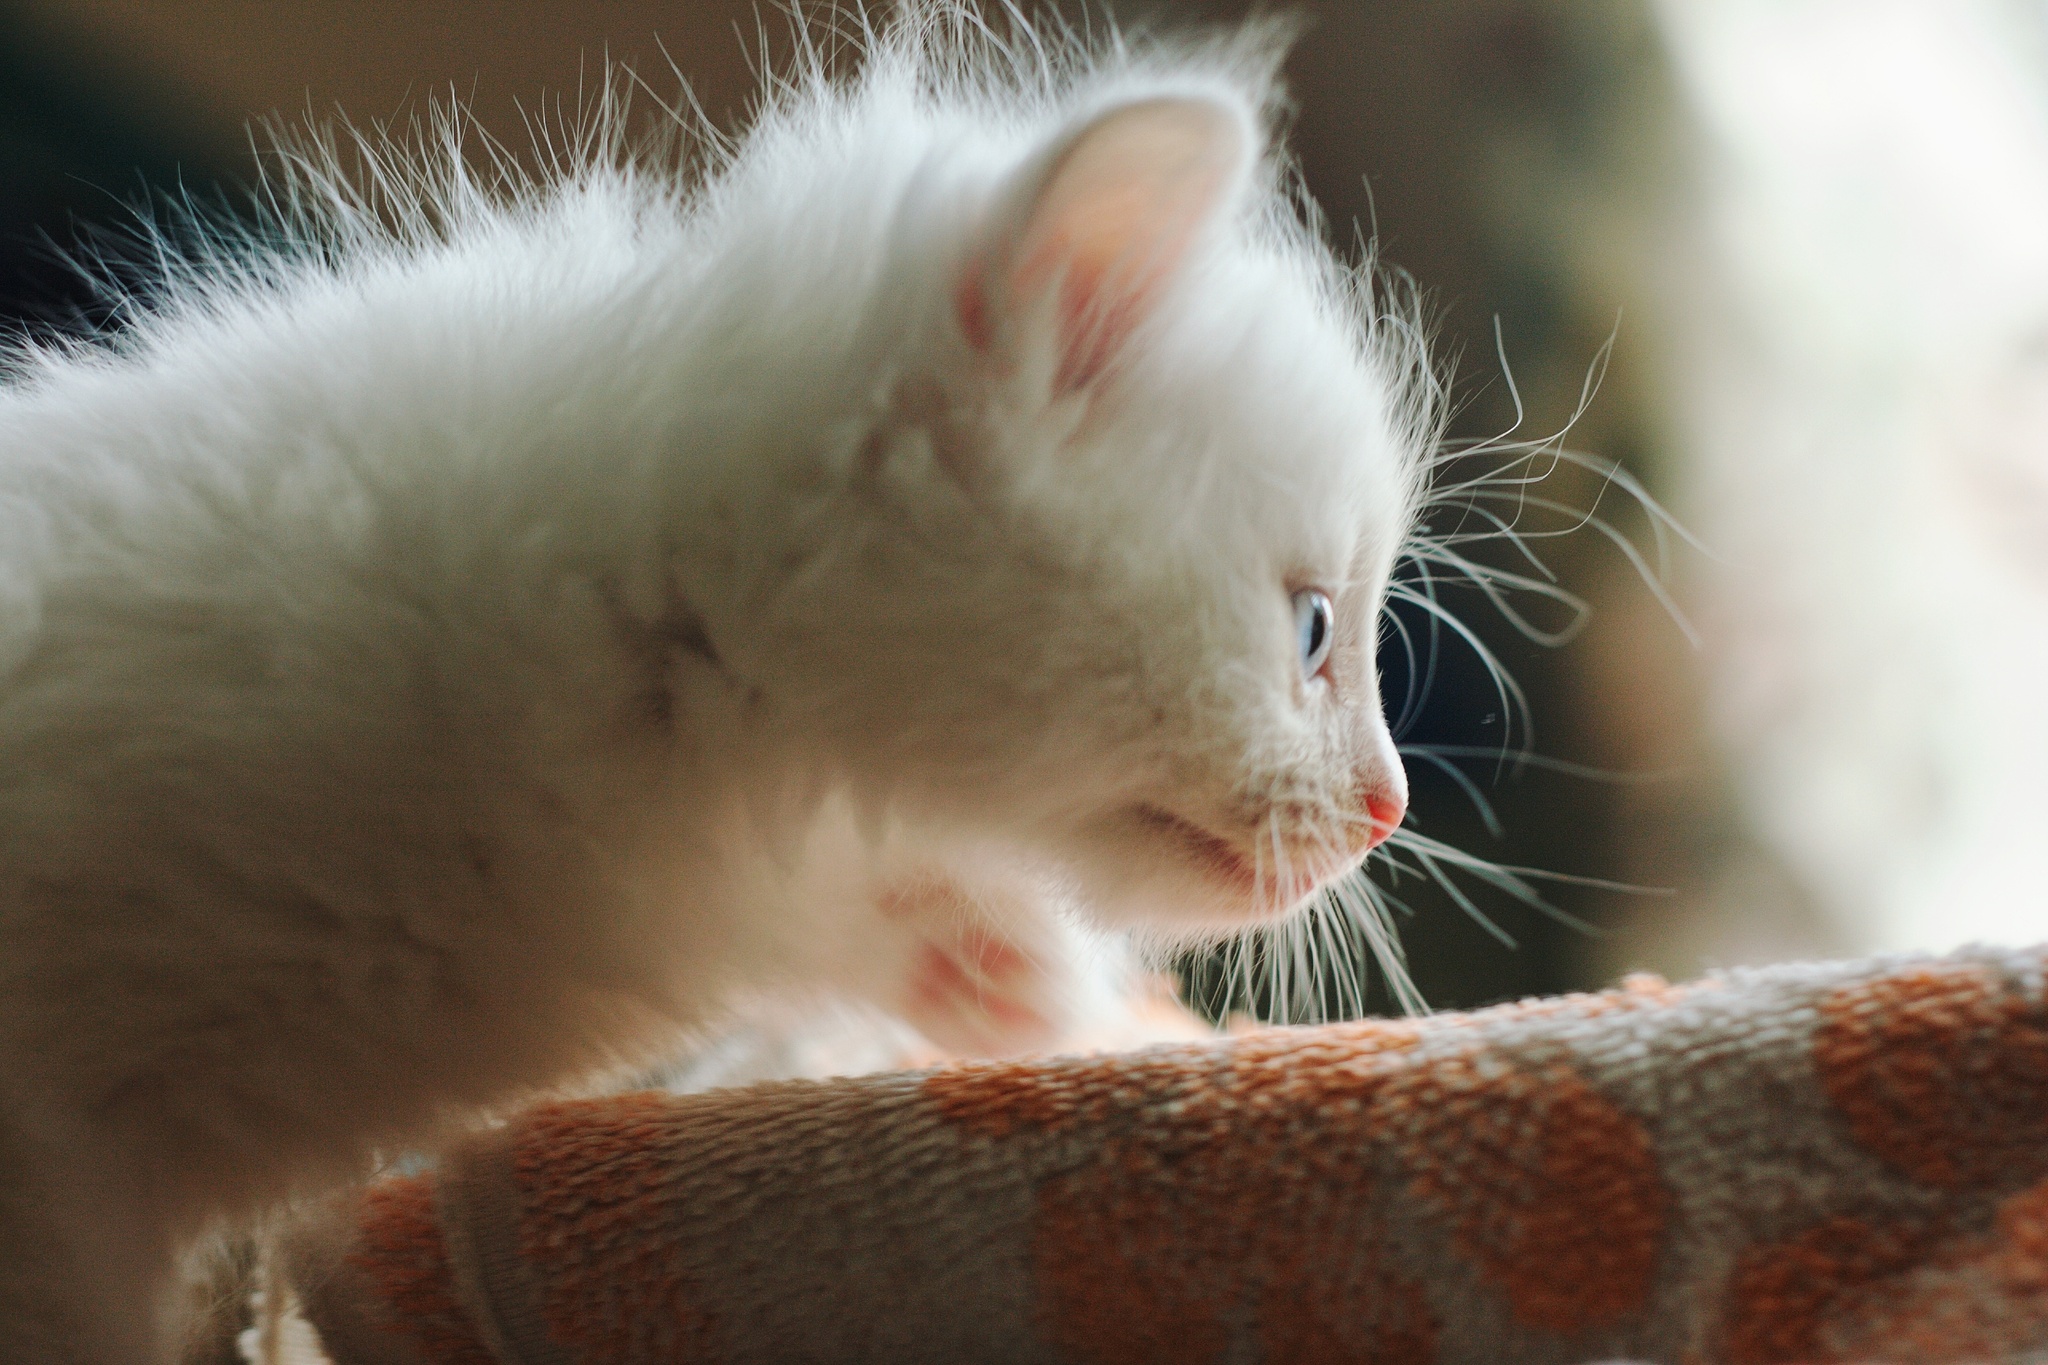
(970, 301)
(1112, 250)
(1110, 224)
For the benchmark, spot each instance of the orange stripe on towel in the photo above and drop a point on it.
(1942, 1072)
(402, 1254)
(1554, 1191)
(597, 1180)
(1230, 1189)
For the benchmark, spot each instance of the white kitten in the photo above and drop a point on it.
(449, 660)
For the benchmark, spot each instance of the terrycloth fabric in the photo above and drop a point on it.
(1813, 1163)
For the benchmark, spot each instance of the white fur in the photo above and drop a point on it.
(455, 653)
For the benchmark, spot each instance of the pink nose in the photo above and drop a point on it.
(1386, 813)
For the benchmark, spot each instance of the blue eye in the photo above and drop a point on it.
(1314, 623)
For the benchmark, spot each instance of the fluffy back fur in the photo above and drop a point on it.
(453, 643)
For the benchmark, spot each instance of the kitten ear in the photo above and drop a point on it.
(1107, 219)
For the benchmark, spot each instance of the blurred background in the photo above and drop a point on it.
(1802, 244)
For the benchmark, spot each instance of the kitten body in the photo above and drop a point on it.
(448, 661)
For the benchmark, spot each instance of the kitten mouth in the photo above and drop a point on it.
(1228, 862)
(1217, 856)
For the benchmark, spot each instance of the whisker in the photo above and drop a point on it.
(1514, 702)
(1443, 764)
(1363, 907)
(1464, 902)
(1524, 759)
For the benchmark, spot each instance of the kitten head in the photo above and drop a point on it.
(1114, 551)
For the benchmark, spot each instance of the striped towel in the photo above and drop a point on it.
(1842, 1162)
